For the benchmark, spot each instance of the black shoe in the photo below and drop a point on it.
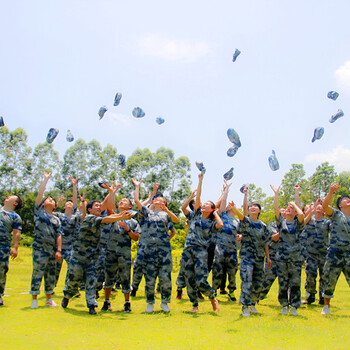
(179, 294)
(64, 302)
(127, 307)
(311, 299)
(92, 310)
(223, 292)
(321, 301)
(133, 293)
(158, 288)
(106, 306)
(232, 297)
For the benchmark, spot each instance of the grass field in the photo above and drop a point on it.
(73, 328)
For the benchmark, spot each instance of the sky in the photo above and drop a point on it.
(60, 61)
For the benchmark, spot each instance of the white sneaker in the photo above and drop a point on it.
(245, 311)
(284, 310)
(165, 307)
(326, 310)
(293, 311)
(50, 303)
(34, 304)
(252, 309)
(149, 308)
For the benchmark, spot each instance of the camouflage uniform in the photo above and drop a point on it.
(338, 255)
(254, 237)
(316, 242)
(226, 253)
(270, 274)
(47, 228)
(69, 226)
(180, 280)
(9, 221)
(157, 254)
(101, 261)
(289, 261)
(118, 256)
(86, 250)
(195, 257)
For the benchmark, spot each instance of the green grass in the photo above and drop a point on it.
(73, 328)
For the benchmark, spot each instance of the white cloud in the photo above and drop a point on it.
(339, 157)
(342, 74)
(118, 118)
(172, 50)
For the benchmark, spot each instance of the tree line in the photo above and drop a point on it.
(21, 170)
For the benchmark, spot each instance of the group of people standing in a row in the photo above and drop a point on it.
(96, 244)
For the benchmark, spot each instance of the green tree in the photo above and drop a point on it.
(321, 180)
(15, 161)
(295, 176)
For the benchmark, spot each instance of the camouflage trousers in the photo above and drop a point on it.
(44, 265)
(158, 263)
(78, 269)
(117, 265)
(180, 280)
(4, 266)
(270, 276)
(314, 262)
(252, 276)
(66, 255)
(195, 266)
(138, 268)
(336, 263)
(289, 279)
(100, 268)
(224, 259)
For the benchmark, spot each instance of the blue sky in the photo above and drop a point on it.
(61, 60)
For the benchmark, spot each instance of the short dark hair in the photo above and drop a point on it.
(339, 199)
(90, 204)
(19, 202)
(51, 198)
(191, 204)
(256, 204)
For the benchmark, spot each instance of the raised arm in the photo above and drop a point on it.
(124, 215)
(199, 192)
(137, 193)
(328, 200)
(223, 197)
(310, 213)
(40, 196)
(82, 206)
(187, 202)
(297, 195)
(236, 211)
(151, 194)
(245, 201)
(300, 213)
(275, 201)
(75, 192)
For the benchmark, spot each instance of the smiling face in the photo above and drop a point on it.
(290, 211)
(254, 209)
(95, 209)
(345, 203)
(49, 204)
(208, 207)
(124, 204)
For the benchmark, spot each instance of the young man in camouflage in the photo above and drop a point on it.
(69, 226)
(316, 240)
(157, 253)
(85, 254)
(338, 256)
(118, 253)
(10, 222)
(46, 245)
